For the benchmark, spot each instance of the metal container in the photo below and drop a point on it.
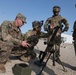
(21, 69)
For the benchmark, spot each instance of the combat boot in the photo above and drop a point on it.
(25, 59)
(2, 68)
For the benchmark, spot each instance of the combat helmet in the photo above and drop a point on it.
(56, 9)
(36, 24)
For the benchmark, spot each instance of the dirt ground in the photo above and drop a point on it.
(67, 57)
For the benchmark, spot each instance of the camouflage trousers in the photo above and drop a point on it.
(23, 51)
(18, 50)
(5, 51)
(57, 49)
(30, 52)
(75, 46)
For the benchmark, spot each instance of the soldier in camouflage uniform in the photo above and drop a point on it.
(11, 37)
(51, 23)
(74, 36)
(30, 54)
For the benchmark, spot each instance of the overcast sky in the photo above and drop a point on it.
(37, 10)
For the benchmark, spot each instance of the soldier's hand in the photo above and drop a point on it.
(25, 44)
(52, 27)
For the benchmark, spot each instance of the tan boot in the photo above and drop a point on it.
(2, 68)
(25, 59)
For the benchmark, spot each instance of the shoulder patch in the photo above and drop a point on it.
(8, 27)
(7, 23)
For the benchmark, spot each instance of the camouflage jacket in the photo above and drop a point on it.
(57, 21)
(37, 36)
(11, 33)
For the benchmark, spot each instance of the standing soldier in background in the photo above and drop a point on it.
(37, 34)
(74, 36)
(51, 23)
(11, 37)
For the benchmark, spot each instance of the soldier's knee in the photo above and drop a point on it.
(33, 55)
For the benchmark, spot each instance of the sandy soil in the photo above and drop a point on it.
(67, 57)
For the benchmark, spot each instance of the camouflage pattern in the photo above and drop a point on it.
(5, 51)
(74, 36)
(11, 33)
(36, 24)
(22, 17)
(11, 36)
(56, 21)
(30, 51)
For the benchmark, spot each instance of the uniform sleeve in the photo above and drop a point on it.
(65, 22)
(16, 41)
(6, 36)
(31, 38)
(27, 34)
(44, 35)
(46, 24)
(4, 30)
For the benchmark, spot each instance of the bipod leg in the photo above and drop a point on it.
(41, 52)
(41, 58)
(60, 62)
(53, 51)
(44, 64)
